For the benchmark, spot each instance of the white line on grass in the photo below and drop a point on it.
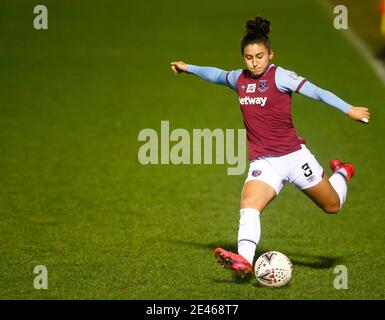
(375, 64)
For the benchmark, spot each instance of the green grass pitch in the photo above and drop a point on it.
(74, 197)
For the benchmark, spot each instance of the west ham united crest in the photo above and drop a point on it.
(263, 86)
(256, 173)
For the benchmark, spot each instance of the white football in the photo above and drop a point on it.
(273, 269)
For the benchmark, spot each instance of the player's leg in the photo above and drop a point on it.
(256, 195)
(260, 188)
(324, 196)
(330, 194)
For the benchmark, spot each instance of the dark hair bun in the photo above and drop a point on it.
(259, 25)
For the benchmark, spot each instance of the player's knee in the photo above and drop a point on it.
(248, 203)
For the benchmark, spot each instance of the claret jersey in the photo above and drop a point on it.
(265, 103)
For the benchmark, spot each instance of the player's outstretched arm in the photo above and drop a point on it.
(210, 74)
(360, 114)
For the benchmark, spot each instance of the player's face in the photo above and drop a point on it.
(257, 58)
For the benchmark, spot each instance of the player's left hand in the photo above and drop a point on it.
(360, 114)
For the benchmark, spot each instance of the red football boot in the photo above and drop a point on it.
(337, 164)
(233, 261)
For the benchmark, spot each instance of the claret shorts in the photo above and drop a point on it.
(300, 168)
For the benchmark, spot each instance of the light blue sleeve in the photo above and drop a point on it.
(288, 81)
(232, 78)
(310, 90)
(215, 75)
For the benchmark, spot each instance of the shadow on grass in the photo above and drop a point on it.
(235, 279)
(314, 262)
(298, 259)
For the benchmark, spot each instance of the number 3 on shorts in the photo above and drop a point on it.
(307, 171)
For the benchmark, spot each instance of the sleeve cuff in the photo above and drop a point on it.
(300, 85)
(227, 80)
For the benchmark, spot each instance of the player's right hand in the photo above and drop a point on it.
(178, 67)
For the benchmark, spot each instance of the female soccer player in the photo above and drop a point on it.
(276, 152)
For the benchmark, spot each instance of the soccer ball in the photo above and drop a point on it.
(273, 269)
